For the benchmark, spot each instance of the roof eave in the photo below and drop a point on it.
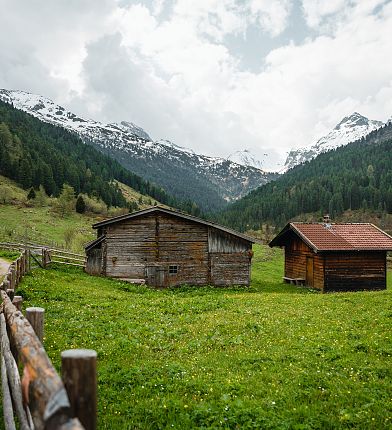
(179, 214)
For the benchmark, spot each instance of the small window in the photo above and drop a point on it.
(173, 270)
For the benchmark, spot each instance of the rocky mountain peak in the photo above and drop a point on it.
(349, 129)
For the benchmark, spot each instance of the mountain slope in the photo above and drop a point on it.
(355, 176)
(350, 129)
(209, 181)
(36, 153)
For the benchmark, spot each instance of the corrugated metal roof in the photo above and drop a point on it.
(338, 237)
(177, 214)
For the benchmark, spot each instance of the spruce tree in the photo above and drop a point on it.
(31, 194)
(80, 205)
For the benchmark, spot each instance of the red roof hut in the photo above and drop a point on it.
(335, 257)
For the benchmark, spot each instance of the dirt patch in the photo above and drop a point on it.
(4, 265)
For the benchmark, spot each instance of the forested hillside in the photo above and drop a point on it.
(36, 153)
(358, 175)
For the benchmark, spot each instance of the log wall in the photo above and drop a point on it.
(167, 250)
(353, 271)
(130, 246)
(296, 252)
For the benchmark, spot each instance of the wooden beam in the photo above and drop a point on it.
(47, 398)
(13, 376)
(8, 412)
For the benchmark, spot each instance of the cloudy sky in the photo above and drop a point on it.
(212, 75)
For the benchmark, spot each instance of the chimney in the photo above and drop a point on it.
(327, 221)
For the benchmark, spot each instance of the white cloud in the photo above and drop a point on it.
(271, 15)
(175, 74)
(317, 10)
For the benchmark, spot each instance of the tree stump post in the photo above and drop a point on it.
(12, 277)
(10, 293)
(35, 316)
(79, 374)
(17, 302)
(28, 260)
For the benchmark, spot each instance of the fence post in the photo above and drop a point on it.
(27, 260)
(12, 277)
(35, 316)
(10, 293)
(79, 374)
(17, 302)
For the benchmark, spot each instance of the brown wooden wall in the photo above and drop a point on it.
(350, 271)
(336, 271)
(296, 254)
(152, 243)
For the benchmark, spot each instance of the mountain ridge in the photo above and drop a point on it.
(357, 176)
(350, 129)
(210, 181)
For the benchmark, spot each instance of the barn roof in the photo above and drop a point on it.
(336, 237)
(182, 215)
(94, 243)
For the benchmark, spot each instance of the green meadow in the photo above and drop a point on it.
(272, 356)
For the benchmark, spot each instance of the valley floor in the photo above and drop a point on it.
(272, 356)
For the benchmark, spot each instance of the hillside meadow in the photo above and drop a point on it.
(272, 356)
(33, 220)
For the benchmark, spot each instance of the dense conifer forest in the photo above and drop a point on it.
(35, 153)
(357, 176)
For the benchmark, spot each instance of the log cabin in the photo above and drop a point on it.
(335, 257)
(164, 248)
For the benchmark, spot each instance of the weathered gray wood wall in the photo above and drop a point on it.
(94, 261)
(145, 247)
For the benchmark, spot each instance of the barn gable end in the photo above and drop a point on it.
(167, 248)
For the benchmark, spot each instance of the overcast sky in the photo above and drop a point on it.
(212, 75)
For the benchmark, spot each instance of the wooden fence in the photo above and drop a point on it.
(41, 400)
(44, 255)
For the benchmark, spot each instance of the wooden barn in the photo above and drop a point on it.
(165, 248)
(335, 257)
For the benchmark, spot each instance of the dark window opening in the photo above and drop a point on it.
(173, 270)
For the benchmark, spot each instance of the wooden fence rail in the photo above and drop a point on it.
(47, 254)
(40, 399)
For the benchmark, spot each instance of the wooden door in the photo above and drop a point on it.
(309, 271)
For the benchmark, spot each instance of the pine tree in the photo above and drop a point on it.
(31, 194)
(80, 205)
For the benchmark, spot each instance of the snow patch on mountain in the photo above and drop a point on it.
(350, 129)
(160, 161)
(246, 158)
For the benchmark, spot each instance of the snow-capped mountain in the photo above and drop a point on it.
(210, 181)
(350, 129)
(246, 158)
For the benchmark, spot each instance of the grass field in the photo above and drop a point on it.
(40, 225)
(272, 356)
